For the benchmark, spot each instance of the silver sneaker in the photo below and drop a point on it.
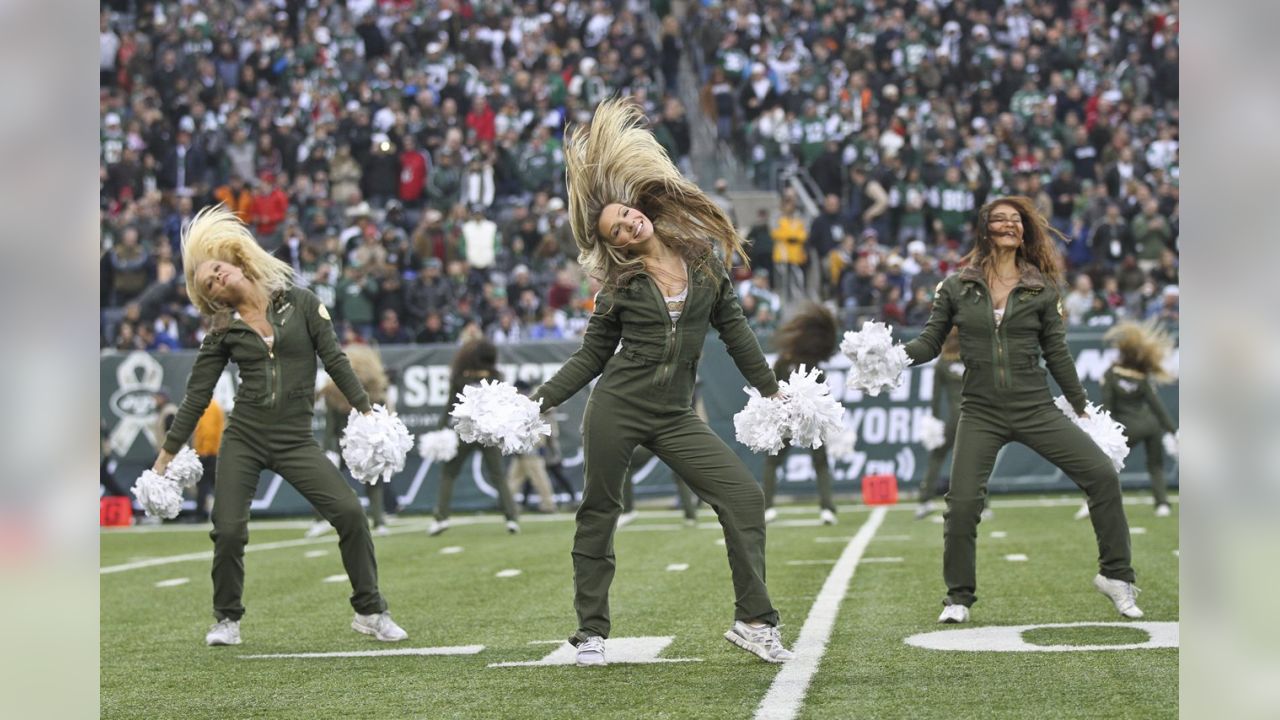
(380, 625)
(763, 642)
(826, 517)
(626, 518)
(770, 514)
(223, 632)
(1162, 511)
(437, 527)
(513, 527)
(591, 652)
(923, 510)
(1122, 594)
(1083, 512)
(953, 614)
(317, 529)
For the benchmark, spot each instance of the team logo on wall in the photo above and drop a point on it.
(139, 377)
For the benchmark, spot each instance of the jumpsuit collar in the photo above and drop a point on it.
(1032, 278)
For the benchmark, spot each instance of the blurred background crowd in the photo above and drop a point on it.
(404, 156)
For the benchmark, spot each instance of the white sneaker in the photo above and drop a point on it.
(1083, 512)
(953, 614)
(625, 518)
(770, 514)
(988, 514)
(513, 527)
(437, 527)
(382, 531)
(591, 652)
(764, 642)
(318, 528)
(1162, 510)
(923, 510)
(379, 625)
(1123, 595)
(827, 517)
(691, 522)
(223, 632)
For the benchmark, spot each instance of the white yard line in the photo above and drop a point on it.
(786, 694)
(456, 650)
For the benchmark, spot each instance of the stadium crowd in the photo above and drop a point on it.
(405, 156)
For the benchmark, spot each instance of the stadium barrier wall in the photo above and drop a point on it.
(887, 426)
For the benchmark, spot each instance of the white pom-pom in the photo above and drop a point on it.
(877, 362)
(374, 445)
(760, 424)
(158, 495)
(497, 415)
(1107, 433)
(933, 433)
(185, 468)
(812, 414)
(438, 445)
(1171, 441)
(842, 445)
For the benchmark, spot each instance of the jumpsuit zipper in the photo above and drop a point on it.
(668, 359)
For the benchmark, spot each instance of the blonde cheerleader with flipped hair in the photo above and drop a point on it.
(1128, 391)
(273, 331)
(651, 237)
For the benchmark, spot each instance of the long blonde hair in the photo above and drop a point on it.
(215, 233)
(616, 159)
(366, 363)
(1143, 347)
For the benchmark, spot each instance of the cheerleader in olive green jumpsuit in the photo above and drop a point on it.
(1128, 392)
(274, 336)
(650, 236)
(475, 361)
(1007, 306)
(808, 338)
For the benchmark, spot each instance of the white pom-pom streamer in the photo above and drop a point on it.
(759, 425)
(374, 445)
(158, 495)
(877, 362)
(185, 468)
(933, 433)
(812, 414)
(497, 415)
(1107, 433)
(841, 445)
(1171, 443)
(803, 414)
(439, 445)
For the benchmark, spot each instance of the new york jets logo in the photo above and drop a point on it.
(133, 402)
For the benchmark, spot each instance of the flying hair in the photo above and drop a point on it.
(215, 233)
(616, 159)
(1143, 347)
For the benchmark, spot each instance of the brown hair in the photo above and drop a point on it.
(616, 159)
(474, 360)
(1037, 249)
(1143, 347)
(808, 337)
(366, 363)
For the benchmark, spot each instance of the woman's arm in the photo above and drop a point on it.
(598, 345)
(728, 320)
(210, 361)
(929, 343)
(1162, 414)
(325, 340)
(1057, 356)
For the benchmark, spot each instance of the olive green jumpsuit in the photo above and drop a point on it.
(1133, 403)
(948, 376)
(270, 429)
(1006, 398)
(645, 397)
(490, 457)
(821, 467)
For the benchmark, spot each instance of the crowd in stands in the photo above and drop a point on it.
(405, 156)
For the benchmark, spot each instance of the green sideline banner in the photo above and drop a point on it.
(887, 426)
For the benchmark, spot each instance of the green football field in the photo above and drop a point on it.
(487, 615)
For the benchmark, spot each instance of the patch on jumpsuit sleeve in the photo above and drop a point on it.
(323, 311)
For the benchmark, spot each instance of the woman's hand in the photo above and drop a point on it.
(162, 462)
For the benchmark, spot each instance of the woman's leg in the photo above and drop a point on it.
(238, 470)
(772, 463)
(979, 437)
(938, 456)
(608, 437)
(825, 480)
(307, 469)
(491, 463)
(375, 492)
(449, 475)
(720, 478)
(1155, 467)
(1052, 434)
